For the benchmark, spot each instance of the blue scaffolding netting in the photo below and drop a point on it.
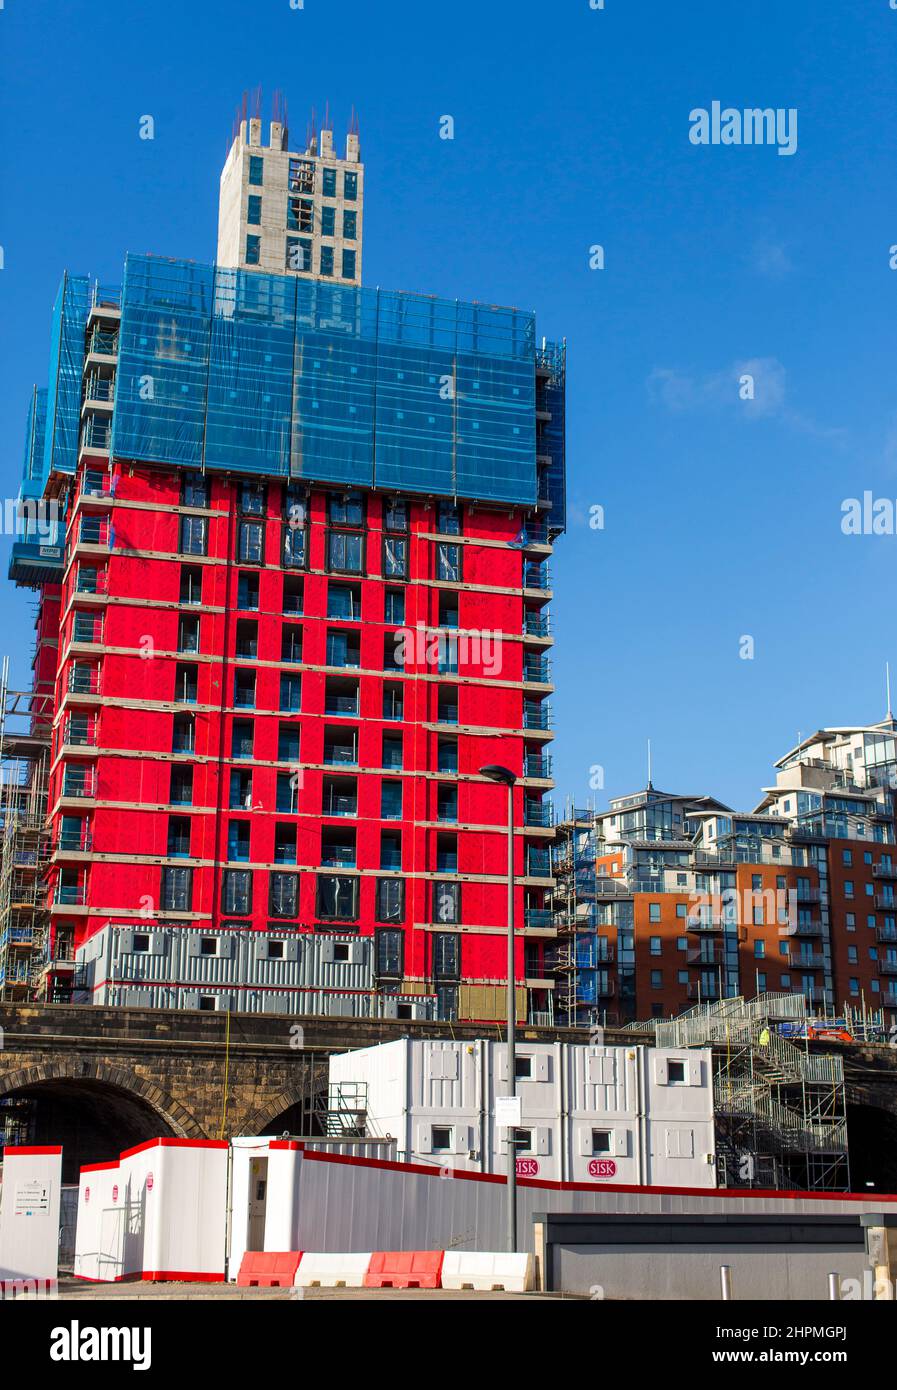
(272, 374)
(35, 430)
(63, 416)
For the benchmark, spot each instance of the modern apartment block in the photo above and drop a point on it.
(302, 601)
(291, 212)
(664, 901)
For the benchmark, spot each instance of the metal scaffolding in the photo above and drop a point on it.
(781, 1111)
(24, 762)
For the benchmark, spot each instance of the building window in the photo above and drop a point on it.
(251, 543)
(676, 1073)
(395, 557)
(392, 751)
(655, 946)
(350, 186)
(240, 790)
(350, 224)
(177, 890)
(343, 601)
(654, 912)
(390, 849)
(345, 509)
(256, 170)
(293, 595)
(328, 220)
(298, 253)
(448, 562)
(345, 552)
(194, 490)
(178, 837)
(191, 584)
(291, 644)
(448, 519)
(326, 262)
(392, 701)
(236, 892)
(349, 260)
(446, 902)
(181, 787)
(446, 955)
(391, 801)
(293, 550)
(657, 979)
(238, 841)
(244, 688)
(286, 797)
(248, 591)
(337, 898)
(288, 743)
(389, 952)
(601, 1141)
(328, 183)
(285, 844)
(253, 249)
(390, 900)
(183, 734)
(246, 642)
(242, 738)
(188, 633)
(290, 693)
(254, 210)
(193, 535)
(394, 607)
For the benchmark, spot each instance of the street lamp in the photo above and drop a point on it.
(496, 773)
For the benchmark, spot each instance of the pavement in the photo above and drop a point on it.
(76, 1291)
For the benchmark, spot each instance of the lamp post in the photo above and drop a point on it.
(496, 773)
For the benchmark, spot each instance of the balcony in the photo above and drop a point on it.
(697, 955)
(536, 624)
(884, 871)
(538, 917)
(80, 732)
(711, 923)
(807, 895)
(887, 967)
(536, 670)
(886, 934)
(813, 960)
(94, 530)
(702, 992)
(538, 814)
(537, 765)
(807, 929)
(81, 785)
(538, 864)
(103, 342)
(91, 581)
(536, 716)
(73, 843)
(83, 682)
(536, 576)
(70, 894)
(99, 390)
(96, 433)
(886, 901)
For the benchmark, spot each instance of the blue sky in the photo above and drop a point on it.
(721, 516)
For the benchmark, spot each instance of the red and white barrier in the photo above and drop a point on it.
(480, 1269)
(330, 1271)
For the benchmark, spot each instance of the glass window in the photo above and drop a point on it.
(345, 509)
(349, 260)
(181, 788)
(286, 795)
(251, 547)
(248, 591)
(389, 951)
(253, 249)
(177, 889)
(392, 750)
(446, 902)
(448, 517)
(345, 552)
(236, 891)
(254, 210)
(284, 895)
(288, 743)
(240, 790)
(446, 955)
(241, 738)
(395, 557)
(448, 562)
(293, 550)
(193, 535)
(191, 584)
(326, 264)
(298, 253)
(256, 170)
(290, 693)
(343, 600)
(350, 224)
(194, 490)
(391, 801)
(337, 897)
(328, 220)
(392, 701)
(328, 183)
(350, 186)
(390, 900)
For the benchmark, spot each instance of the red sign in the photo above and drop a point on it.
(602, 1168)
(87, 1194)
(527, 1167)
(115, 1194)
(149, 1182)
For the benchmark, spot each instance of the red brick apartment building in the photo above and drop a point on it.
(302, 602)
(665, 901)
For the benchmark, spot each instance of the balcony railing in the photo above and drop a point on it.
(811, 961)
(886, 901)
(80, 732)
(538, 813)
(99, 388)
(96, 434)
(884, 871)
(536, 716)
(77, 784)
(103, 343)
(93, 530)
(887, 967)
(536, 624)
(70, 894)
(535, 669)
(80, 842)
(81, 682)
(537, 765)
(538, 916)
(106, 296)
(92, 582)
(536, 576)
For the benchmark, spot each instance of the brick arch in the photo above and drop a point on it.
(260, 1119)
(77, 1071)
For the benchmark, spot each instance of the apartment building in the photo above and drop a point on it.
(302, 601)
(664, 900)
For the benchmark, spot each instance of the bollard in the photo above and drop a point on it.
(834, 1288)
(725, 1279)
